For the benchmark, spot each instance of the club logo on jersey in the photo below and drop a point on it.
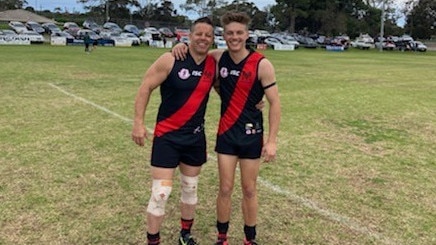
(184, 74)
(224, 72)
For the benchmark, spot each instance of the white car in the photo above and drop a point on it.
(17, 26)
(220, 42)
(132, 37)
(419, 46)
(34, 36)
(361, 44)
(149, 36)
(7, 33)
(34, 26)
(261, 33)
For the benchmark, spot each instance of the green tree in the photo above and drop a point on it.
(12, 4)
(203, 7)
(112, 9)
(287, 11)
(258, 17)
(421, 20)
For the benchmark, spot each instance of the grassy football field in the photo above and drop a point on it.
(356, 159)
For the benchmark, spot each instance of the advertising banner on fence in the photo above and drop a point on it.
(14, 40)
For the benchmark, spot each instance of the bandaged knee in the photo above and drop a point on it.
(160, 192)
(189, 189)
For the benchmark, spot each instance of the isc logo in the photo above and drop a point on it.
(196, 73)
(234, 73)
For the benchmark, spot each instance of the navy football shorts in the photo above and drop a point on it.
(169, 153)
(246, 149)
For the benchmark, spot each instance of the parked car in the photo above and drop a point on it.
(291, 40)
(180, 33)
(166, 32)
(132, 29)
(149, 36)
(72, 28)
(385, 45)
(34, 36)
(411, 46)
(307, 42)
(92, 35)
(274, 41)
(219, 42)
(17, 26)
(92, 25)
(218, 31)
(50, 28)
(419, 46)
(34, 26)
(132, 37)
(7, 33)
(113, 27)
(361, 44)
(261, 33)
(62, 34)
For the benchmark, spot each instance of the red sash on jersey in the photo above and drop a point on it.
(184, 113)
(239, 97)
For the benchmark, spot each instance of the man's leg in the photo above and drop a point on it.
(226, 169)
(188, 200)
(249, 174)
(161, 189)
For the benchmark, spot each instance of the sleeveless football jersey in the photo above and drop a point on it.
(184, 96)
(240, 92)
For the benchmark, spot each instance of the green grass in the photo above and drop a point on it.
(355, 161)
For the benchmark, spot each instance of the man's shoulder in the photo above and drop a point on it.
(165, 61)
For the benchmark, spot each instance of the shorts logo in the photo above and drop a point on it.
(198, 129)
(224, 72)
(184, 74)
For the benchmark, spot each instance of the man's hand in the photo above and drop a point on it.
(269, 151)
(179, 51)
(260, 105)
(139, 133)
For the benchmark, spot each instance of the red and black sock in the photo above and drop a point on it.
(153, 239)
(222, 228)
(186, 226)
(250, 232)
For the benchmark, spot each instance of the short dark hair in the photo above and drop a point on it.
(239, 17)
(205, 20)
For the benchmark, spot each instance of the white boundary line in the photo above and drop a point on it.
(277, 189)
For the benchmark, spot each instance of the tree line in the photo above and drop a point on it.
(326, 17)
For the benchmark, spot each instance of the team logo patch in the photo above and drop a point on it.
(224, 72)
(184, 74)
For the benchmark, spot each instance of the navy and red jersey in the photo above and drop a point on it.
(184, 96)
(240, 92)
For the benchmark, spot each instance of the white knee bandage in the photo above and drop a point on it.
(160, 193)
(189, 189)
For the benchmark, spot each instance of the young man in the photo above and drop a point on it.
(245, 76)
(179, 138)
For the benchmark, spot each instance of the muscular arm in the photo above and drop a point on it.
(155, 76)
(267, 77)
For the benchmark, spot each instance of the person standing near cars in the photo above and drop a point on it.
(245, 76)
(179, 138)
(87, 40)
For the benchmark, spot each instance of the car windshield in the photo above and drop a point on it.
(18, 24)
